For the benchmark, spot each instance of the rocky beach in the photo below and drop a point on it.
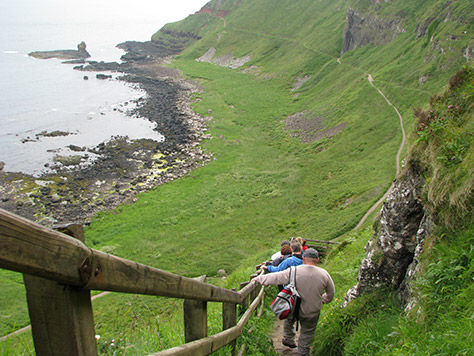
(73, 191)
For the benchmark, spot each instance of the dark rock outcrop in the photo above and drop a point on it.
(80, 53)
(103, 76)
(405, 290)
(421, 29)
(362, 30)
(151, 50)
(398, 241)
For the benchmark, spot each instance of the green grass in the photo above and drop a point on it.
(443, 313)
(264, 185)
(235, 204)
(13, 308)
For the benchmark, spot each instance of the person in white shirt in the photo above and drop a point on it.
(278, 254)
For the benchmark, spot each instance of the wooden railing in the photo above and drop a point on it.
(321, 244)
(60, 271)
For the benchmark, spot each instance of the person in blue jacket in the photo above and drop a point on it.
(295, 260)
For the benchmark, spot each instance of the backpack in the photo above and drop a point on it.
(286, 300)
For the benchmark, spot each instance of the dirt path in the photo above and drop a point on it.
(397, 159)
(277, 336)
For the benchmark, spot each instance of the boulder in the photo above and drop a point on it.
(391, 250)
(103, 76)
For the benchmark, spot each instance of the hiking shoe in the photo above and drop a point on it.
(290, 344)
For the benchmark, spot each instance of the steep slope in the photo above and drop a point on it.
(410, 48)
(303, 144)
(323, 51)
(421, 250)
(430, 36)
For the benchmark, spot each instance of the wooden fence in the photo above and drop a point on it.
(321, 244)
(60, 271)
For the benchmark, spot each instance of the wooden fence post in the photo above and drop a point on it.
(255, 291)
(61, 317)
(229, 319)
(195, 318)
(245, 302)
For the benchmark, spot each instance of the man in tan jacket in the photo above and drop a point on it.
(315, 287)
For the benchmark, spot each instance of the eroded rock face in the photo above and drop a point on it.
(361, 30)
(393, 247)
(405, 290)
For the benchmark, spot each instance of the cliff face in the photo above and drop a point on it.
(391, 254)
(361, 30)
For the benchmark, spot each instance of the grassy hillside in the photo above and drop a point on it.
(266, 183)
(440, 323)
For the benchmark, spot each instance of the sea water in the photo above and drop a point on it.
(43, 96)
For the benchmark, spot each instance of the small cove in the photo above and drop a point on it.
(41, 96)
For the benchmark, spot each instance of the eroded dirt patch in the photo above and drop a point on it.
(309, 127)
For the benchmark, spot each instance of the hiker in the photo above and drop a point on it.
(295, 260)
(285, 253)
(315, 287)
(303, 243)
(278, 254)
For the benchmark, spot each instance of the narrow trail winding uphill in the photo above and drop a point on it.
(397, 160)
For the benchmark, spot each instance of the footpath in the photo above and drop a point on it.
(277, 334)
(397, 159)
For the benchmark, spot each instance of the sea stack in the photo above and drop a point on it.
(80, 53)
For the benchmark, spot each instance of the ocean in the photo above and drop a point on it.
(38, 97)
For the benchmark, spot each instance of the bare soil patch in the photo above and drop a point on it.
(309, 127)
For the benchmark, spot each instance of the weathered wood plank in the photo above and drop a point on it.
(195, 318)
(254, 292)
(213, 343)
(36, 250)
(229, 320)
(30, 248)
(260, 312)
(61, 317)
(246, 288)
(322, 241)
(319, 248)
(111, 273)
(242, 350)
(229, 315)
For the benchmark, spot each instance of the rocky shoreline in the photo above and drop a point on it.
(123, 168)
